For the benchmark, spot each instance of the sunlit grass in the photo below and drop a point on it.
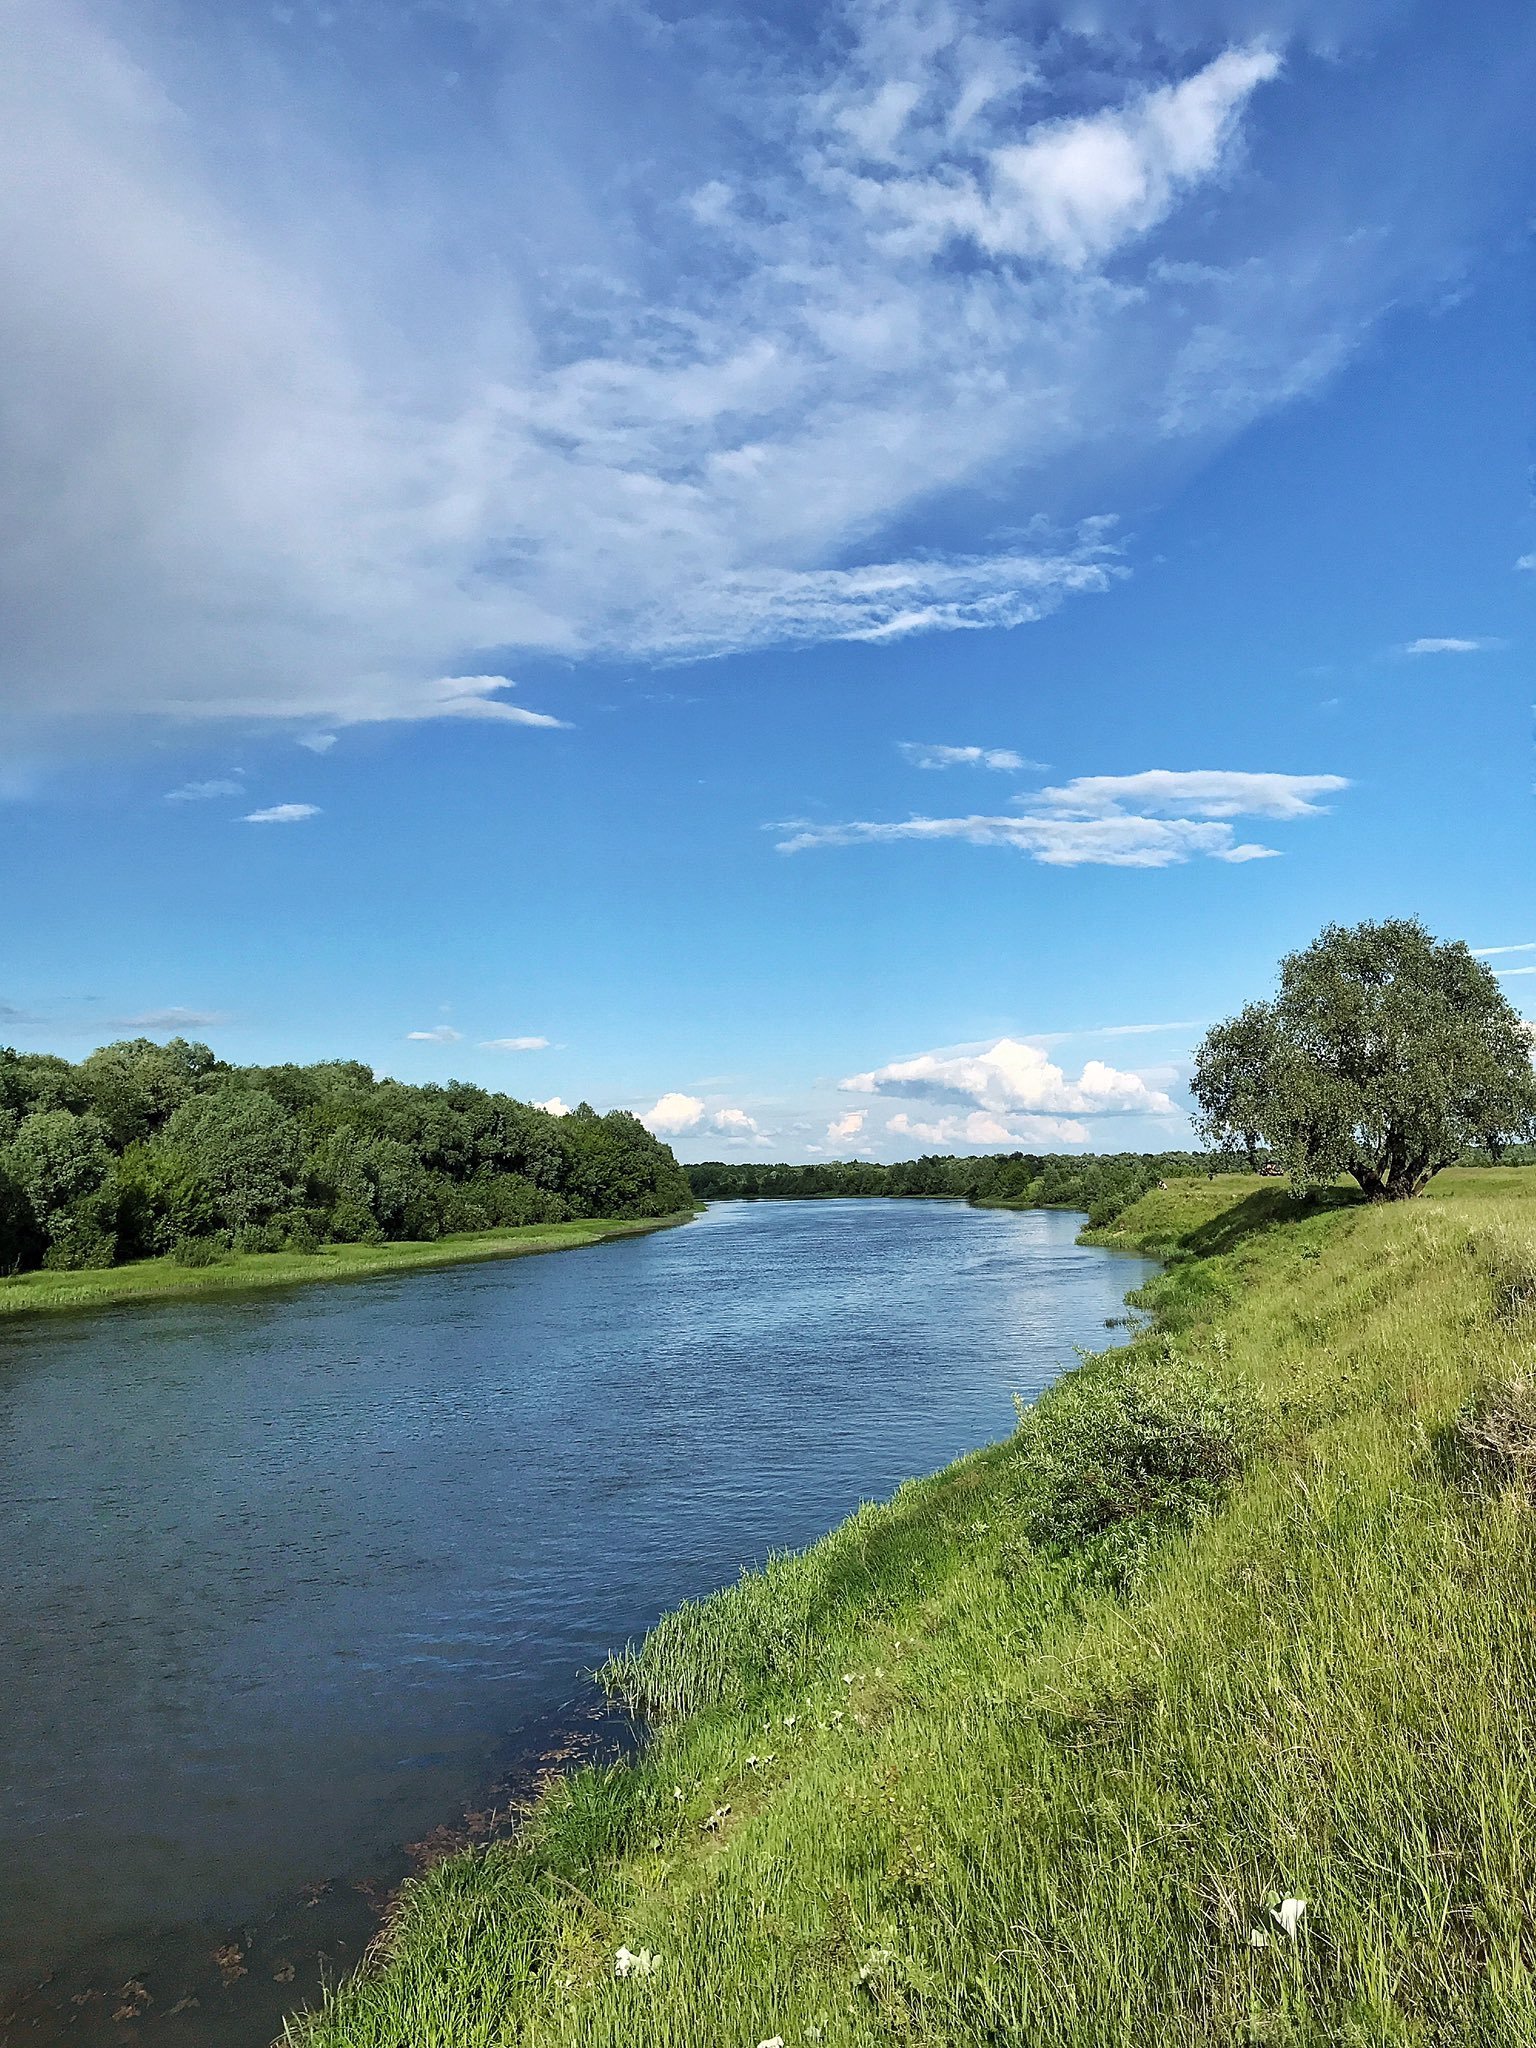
(964, 1774)
(237, 1272)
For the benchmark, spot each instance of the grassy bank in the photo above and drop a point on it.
(237, 1272)
(1243, 1613)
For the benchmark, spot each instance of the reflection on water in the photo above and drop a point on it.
(290, 1579)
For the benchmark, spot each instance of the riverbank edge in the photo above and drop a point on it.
(1032, 1806)
(153, 1280)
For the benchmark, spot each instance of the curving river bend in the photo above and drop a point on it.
(292, 1579)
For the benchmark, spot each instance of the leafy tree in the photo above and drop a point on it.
(58, 1161)
(246, 1149)
(1384, 1056)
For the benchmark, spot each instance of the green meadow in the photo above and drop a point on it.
(237, 1272)
(1200, 1710)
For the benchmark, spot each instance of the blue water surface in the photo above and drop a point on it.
(288, 1575)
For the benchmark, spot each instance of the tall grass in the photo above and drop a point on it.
(1031, 1754)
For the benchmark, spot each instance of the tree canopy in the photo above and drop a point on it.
(143, 1149)
(1385, 1055)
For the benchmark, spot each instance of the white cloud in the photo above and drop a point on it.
(844, 1127)
(1011, 1077)
(317, 742)
(676, 1114)
(1003, 758)
(513, 1044)
(1072, 192)
(1492, 952)
(555, 1106)
(673, 1114)
(1443, 646)
(440, 1034)
(1199, 793)
(293, 422)
(981, 1128)
(1526, 562)
(474, 697)
(1086, 822)
(1514, 970)
(737, 1126)
(282, 814)
(204, 792)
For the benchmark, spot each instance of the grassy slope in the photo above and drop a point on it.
(162, 1279)
(969, 1798)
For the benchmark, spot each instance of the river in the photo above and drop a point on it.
(293, 1579)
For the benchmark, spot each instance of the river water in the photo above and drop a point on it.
(290, 1580)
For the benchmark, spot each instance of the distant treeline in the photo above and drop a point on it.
(1103, 1183)
(144, 1149)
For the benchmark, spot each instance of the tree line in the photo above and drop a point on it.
(1103, 1183)
(144, 1149)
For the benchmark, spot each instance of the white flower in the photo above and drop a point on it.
(1257, 1938)
(776, 2042)
(627, 1963)
(1287, 1915)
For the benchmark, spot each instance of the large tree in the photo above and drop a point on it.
(1383, 1056)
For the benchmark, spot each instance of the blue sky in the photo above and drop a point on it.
(846, 579)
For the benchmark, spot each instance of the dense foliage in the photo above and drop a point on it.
(1103, 1183)
(144, 1149)
(1384, 1056)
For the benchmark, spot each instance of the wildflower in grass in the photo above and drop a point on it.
(630, 1962)
(1287, 1915)
(789, 1720)
(776, 2042)
(1257, 1938)
(715, 1819)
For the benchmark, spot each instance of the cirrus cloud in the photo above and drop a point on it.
(917, 256)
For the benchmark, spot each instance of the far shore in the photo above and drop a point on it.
(239, 1272)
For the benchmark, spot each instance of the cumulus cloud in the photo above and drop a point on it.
(675, 1114)
(440, 1034)
(513, 1044)
(555, 1106)
(1444, 646)
(282, 814)
(672, 1114)
(737, 1126)
(982, 1128)
(922, 756)
(1011, 1078)
(1152, 820)
(846, 1127)
(284, 437)
(204, 792)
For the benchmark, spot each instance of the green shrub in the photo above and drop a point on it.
(1133, 1437)
(197, 1251)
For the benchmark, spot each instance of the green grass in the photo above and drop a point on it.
(991, 1766)
(163, 1279)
